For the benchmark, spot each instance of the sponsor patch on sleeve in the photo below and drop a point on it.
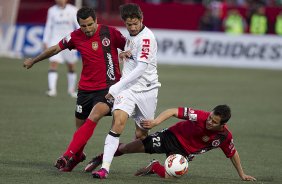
(191, 114)
(192, 117)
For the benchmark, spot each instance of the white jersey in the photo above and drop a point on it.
(60, 22)
(143, 48)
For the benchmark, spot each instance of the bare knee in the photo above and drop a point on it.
(98, 111)
(140, 133)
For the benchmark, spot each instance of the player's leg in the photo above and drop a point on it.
(53, 74)
(111, 143)
(146, 108)
(123, 108)
(71, 58)
(154, 143)
(160, 142)
(140, 133)
(83, 133)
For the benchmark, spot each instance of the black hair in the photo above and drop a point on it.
(224, 112)
(84, 13)
(130, 10)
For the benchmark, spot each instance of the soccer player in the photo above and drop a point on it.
(61, 20)
(200, 132)
(135, 95)
(98, 45)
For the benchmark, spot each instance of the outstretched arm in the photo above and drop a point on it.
(162, 117)
(237, 164)
(51, 51)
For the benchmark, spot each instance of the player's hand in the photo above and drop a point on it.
(28, 63)
(124, 55)
(248, 178)
(109, 96)
(148, 124)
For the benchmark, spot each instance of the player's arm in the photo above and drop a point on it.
(161, 118)
(235, 159)
(51, 51)
(130, 78)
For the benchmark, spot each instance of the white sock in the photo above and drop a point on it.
(111, 145)
(71, 82)
(52, 80)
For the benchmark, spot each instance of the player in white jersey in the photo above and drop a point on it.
(135, 95)
(61, 20)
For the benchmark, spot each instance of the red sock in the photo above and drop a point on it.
(80, 138)
(158, 169)
(80, 151)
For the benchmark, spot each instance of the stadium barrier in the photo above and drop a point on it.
(175, 47)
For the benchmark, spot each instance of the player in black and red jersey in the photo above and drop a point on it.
(98, 45)
(200, 132)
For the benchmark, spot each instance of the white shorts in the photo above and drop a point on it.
(138, 105)
(70, 56)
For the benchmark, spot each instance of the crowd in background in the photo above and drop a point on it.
(229, 2)
(255, 21)
(231, 16)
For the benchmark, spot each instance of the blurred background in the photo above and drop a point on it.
(201, 32)
(240, 39)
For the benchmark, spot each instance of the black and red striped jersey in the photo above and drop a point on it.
(195, 138)
(99, 56)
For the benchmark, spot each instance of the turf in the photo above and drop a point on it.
(35, 129)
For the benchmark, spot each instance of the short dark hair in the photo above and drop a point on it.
(130, 10)
(85, 12)
(224, 112)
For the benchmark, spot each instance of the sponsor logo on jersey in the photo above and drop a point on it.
(185, 113)
(191, 111)
(205, 138)
(231, 145)
(106, 42)
(118, 99)
(110, 72)
(95, 45)
(193, 117)
(145, 48)
(215, 143)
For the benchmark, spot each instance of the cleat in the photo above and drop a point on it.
(51, 93)
(72, 162)
(61, 162)
(73, 94)
(146, 170)
(93, 164)
(101, 174)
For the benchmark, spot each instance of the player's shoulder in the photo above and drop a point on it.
(227, 130)
(111, 28)
(147, 33)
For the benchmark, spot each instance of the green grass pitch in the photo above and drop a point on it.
(35, 129)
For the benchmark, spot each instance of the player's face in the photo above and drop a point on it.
(133, 26)
(213, 122)
(88, 26)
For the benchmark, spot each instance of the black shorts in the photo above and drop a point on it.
(163, 142)
(86, 100)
